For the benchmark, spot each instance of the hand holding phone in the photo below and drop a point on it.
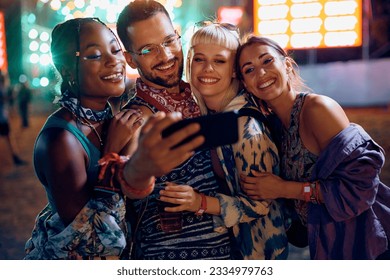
(218, 129)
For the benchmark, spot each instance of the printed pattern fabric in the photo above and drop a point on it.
(258, 226)
(161, 100)
(296, 161)
(98, 230)
(198, 238)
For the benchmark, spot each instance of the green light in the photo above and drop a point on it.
(34, 58)
(65, 11)
(34, 46)
(33, 34)
(36, 82)
(44, 82)
(45, 59)
(79, 4)
(31, 18)
(22, 78)
(44, 48)
(44, 36)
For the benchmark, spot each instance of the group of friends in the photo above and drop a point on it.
(299, 173)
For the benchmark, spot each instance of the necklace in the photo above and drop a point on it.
(87, 123)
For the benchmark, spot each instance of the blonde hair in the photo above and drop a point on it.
(222, 34)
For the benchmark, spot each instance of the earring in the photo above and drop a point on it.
(71, 83)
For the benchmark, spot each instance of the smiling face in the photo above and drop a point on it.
(101, 63)
(161, 70)
(264, 71)
(212, 69)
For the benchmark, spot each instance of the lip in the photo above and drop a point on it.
(166, 67)
(114, 76)
(266, 83)
(208, 80)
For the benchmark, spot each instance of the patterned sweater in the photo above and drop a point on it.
(258, 226)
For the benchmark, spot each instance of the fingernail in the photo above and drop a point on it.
(176, 115)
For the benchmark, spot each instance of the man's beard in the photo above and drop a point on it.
(172, 80)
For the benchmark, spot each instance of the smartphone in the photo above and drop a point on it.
(218, 129)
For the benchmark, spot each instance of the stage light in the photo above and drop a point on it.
(310, 23)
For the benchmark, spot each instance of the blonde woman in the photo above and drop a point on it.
(257, 226)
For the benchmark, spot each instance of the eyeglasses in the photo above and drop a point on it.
(172, 43)
(226, 25)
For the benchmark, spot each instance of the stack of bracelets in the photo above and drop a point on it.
(111, 178)
(311, 192)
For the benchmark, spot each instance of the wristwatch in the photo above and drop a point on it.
(203, 205)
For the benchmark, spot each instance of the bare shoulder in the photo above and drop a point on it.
(318, 106)
(324, 117)
(57, 143)
(319, 101)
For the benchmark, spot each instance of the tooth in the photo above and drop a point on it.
(166, 66)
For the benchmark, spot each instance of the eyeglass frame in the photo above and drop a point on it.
(176, 38)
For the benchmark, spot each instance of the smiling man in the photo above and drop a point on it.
(153, 47)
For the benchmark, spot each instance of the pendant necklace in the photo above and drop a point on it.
(87, 123)
(90, 125)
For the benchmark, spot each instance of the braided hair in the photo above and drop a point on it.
(65, 51)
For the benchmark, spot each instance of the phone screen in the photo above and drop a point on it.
(218, 129)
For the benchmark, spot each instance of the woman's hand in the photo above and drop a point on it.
(183, 195)
(122, 129)
(263, 185)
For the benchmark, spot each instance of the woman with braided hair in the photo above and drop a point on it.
(79, 222)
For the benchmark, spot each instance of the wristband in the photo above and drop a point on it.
(115, 164)
(203, 205)
(311, 192)
(307, 191)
